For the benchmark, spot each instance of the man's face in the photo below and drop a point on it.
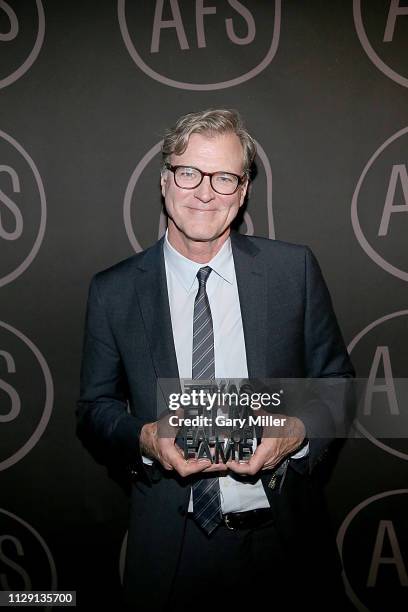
(201, 214)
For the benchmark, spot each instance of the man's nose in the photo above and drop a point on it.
(204, 191)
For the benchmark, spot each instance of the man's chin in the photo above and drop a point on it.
(204, 236)
(199, 232)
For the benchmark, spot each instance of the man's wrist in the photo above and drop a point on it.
(302, 445)
(297, 430)
(146, 439)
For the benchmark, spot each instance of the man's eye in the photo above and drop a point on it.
(225, 178)
(188, 172)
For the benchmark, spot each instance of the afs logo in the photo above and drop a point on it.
(373, 545)
(142, 205)
(192, 45)
(22, 29)
(379, 209)
(382, 28)
(25, 409)
(26, 563)
(22, 209)
(383, 417)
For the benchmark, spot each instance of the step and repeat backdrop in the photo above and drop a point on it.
(86, 90)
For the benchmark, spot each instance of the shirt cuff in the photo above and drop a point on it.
(149, 461)
(299, 455)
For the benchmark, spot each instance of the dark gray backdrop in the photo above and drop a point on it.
(86, 91)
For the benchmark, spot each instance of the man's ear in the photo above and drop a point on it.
(163, 181)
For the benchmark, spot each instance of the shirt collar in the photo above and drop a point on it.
(186, 269)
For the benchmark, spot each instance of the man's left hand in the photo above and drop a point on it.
(276, 444)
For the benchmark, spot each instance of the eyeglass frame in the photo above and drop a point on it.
(241, 178)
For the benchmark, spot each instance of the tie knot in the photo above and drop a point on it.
(203, 275)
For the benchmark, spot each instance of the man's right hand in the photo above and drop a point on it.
(170, 455)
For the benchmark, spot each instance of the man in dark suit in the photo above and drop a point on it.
(206, 302)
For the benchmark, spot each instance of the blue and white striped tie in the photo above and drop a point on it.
(206, 491)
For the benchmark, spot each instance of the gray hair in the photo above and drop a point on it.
(210, 122)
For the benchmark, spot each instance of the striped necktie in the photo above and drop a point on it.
(206, 491)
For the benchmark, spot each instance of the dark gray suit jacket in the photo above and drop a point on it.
(290, 331)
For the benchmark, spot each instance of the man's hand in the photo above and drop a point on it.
(277, 443)
(171, 457)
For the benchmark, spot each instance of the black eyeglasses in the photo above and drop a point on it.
(188, 177)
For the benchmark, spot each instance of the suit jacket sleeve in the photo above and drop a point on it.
(325, 356)
(104, 424)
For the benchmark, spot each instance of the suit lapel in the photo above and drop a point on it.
(154, 305)
(252, 290)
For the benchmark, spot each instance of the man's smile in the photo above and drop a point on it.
(201, 210)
